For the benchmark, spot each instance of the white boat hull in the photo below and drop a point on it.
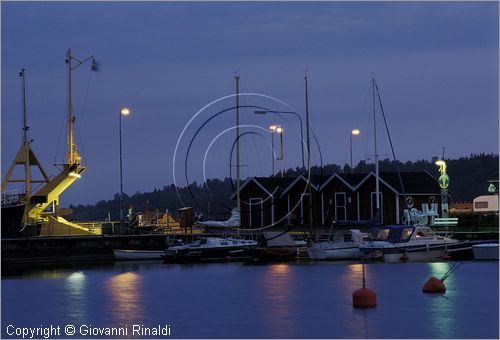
(418, 251)
(137, 255)
(334, 251)
(487, 251)
(416, 256)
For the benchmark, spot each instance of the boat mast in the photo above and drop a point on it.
(308, 188)
(70, 110)
(238, 202)
(27, 165)
(377, 198)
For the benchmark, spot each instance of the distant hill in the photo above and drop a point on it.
(468, 179)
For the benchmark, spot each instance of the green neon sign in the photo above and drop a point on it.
(444, 181)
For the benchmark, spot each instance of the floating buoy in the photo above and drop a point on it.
(434, 286)
(364, 298)
(404, 257)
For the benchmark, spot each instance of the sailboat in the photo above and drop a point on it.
(37, 212)
(402, 242)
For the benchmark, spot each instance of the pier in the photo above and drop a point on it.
(99, 249)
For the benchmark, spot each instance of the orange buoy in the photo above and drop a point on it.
(364, 298)
(434, 286)
(404, 257)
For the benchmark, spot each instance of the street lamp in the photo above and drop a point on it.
(124, 111)
(301, 133)
(354, 132)
(279, 130)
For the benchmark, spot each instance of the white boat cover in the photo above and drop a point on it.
(282, 240)
(233, 221)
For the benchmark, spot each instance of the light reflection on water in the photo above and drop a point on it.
(125, 303)
(286, 300)
(75, 284)
(357, 322)
(277, 286)
(441, 311)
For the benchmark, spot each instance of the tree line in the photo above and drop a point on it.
(469, 179)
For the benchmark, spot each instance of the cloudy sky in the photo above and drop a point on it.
(436, 65)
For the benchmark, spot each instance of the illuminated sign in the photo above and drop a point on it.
(492, 188)
(444, 181)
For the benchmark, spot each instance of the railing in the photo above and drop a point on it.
(10, 197)
(446, 221)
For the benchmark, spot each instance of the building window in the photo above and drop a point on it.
(256, 212)
(304, 207)
(340, 209)
(481, 205)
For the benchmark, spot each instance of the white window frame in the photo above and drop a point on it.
(251, 204)
(302, 195)
(340, 206)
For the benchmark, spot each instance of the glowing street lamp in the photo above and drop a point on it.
(300, 121)
(124, 111)
(279, 130)
(354, 132)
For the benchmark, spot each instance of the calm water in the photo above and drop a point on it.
(235, 300)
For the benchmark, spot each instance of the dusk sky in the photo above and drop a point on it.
(436, 65)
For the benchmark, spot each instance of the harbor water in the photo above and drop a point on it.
(237, 300)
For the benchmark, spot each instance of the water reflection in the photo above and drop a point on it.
(125, 291)
(438, 269)
(76, 305)
(441, 310)
(356, 322)
(277, 286)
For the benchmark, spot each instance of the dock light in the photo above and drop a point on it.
(124, 111)
(273, 128)
(263, 112)
(354, 132)
(279, 129)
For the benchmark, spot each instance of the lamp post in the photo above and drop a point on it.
(124, 111)
(272, 128)
(279, 130)
(301, 132)
(354, 132)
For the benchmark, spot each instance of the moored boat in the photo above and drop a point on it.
(485, 251)
(409, 243)
(278, 246)
(338, 249)
(210, 249)
(137, 255)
